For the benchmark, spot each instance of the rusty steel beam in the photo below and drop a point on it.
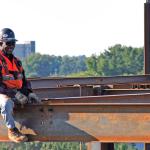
(83, 91)
(124, 91)
(64, 92)
(124, 99)
(58, 82)
(147, 37)
(105, 123)
(147, 44)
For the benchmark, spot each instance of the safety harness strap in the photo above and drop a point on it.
(16, 75)
(4, 64)
(7, 77)
(18, 64)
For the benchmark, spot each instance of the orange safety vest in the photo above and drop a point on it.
(11, 72)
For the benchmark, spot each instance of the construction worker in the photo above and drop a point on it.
(14, 88)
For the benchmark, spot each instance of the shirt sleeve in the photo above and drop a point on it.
(26, 86)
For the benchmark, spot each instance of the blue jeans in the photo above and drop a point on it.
(6, 108)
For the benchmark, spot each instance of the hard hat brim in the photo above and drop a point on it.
(8, 39)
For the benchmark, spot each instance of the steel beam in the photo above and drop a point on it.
(124, 91)
(147, 37)
(83, 91)
(147, 44)
(124, 99)
(86, 122)
(58, 82)
(74, 91)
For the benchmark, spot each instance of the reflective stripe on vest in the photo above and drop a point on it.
(8, 77)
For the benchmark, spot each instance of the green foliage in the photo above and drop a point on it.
(41, 65)
(72, 65)
(118, 60)
(125, 146)
(43, 146)
(37, 65)
(59, 146)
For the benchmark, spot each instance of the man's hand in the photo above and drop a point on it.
(33, 98)
(21, 98)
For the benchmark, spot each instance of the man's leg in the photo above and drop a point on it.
(6, 106)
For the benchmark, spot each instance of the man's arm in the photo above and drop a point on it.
(27, 90)
(26, 87)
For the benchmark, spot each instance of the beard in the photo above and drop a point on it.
(8, 51)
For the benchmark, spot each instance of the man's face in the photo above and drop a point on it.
(8, 46)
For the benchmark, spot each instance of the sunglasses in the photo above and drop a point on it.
(11, 43)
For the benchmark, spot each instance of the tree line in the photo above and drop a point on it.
(116, 60)
(37, 65)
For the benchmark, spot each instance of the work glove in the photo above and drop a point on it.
(33, 98)
(21, 98)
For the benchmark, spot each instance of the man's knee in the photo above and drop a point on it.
(3, 97)
(6, 103)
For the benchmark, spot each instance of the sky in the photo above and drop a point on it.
(75, 27)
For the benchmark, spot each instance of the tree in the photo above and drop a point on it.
(37, 65)
(41, 65)
(118, 60)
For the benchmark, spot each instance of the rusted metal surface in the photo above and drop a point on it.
(105, 123)
(59, 92)
(57, 82)
(83, 91)
(104, 118)
(147, 37)
(124, 99)
(124, 91)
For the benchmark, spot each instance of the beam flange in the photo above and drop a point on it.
(58, 82)
(105, 123)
